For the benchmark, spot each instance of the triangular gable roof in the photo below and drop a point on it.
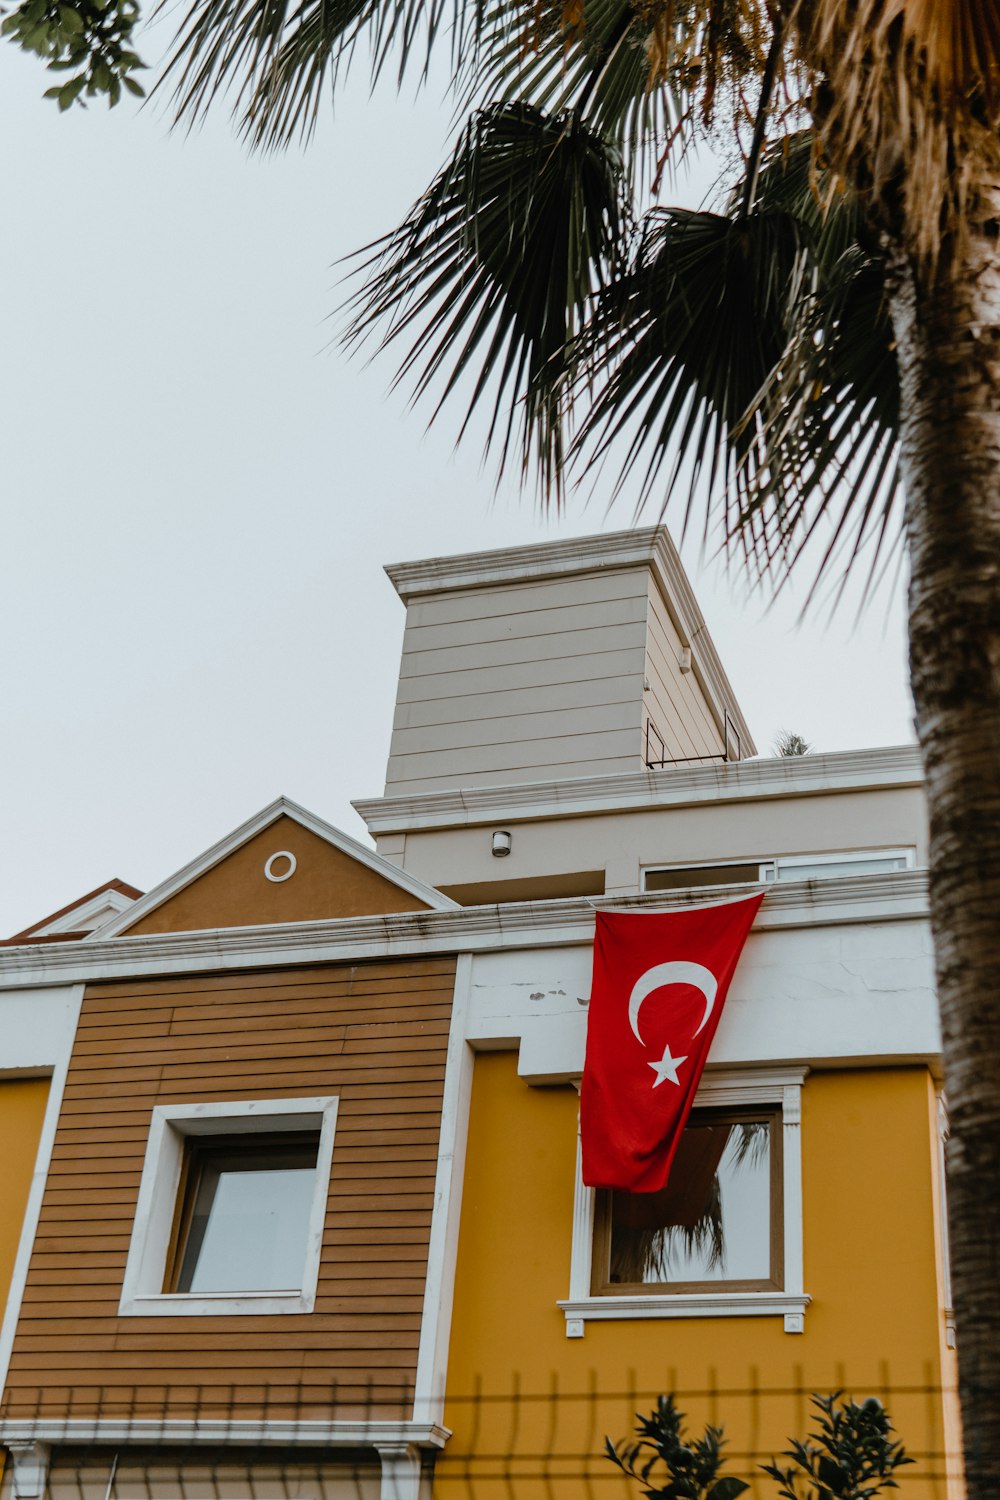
(81, 916)
(277, 812)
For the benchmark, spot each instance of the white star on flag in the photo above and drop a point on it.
(666, 1067)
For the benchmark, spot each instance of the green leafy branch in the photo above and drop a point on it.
(851, 1455)
(89, 39)
(692, 1465)
(853, 1458)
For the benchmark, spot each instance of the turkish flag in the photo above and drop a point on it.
(660, 980)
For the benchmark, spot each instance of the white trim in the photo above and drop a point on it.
(764, 864)
(442, 1251)
(648, 547)
(729, 1089)
(269, 866)
(282, 808)
(687, 1305)
(33, 1204)
(898, 896)
(171, 1124)
(31, 1468)
(401, 1471)
(890, 766)
(582, 1242)
(472, 570)
(907, 854)
(266, 1432)
(770, 866)
(88, 915)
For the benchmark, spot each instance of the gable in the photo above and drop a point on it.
(236, 892)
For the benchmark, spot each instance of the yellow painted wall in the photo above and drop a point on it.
(526, 1403)
(22, 1108)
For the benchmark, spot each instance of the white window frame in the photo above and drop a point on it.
(763, 865)
(172, 1125)
(768, 868)
(730, 1089)
(850, 857)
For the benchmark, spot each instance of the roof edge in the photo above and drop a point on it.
(637, 791)
(281, 807)
(470, 570)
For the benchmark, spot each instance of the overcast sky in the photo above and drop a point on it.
(199, 490)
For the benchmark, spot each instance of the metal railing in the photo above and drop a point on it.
(732, 748)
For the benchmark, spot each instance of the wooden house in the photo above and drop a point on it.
(295, 1204)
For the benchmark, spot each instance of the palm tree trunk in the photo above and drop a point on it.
(948, 341)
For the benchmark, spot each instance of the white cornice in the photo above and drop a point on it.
(470, 570)
(283, 807)
(99, 911)
(642, 791)
(205, 1430)
(897, 896)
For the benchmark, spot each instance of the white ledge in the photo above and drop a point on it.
(736, 781)
(468, 570)
(221, 1431)
(788, 1305)
(212, 1304)
(895, 896)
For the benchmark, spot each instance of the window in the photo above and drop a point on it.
(784, 867)
(243, 1214)
(717, 1222)
(829, 866)
(725, 1235)
(231, 1208)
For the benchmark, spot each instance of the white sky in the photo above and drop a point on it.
(199, 492)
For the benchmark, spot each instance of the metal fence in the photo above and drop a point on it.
(499, 1444)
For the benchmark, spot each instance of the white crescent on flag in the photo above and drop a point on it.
(677, 972)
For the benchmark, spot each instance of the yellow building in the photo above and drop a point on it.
(379, 1054)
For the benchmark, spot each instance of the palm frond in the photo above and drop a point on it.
(755, 347)
(496, 268)
(795, 180)
(831, 432)
(594, 60)
(689, 335)
(275, 58)
(646, 1255)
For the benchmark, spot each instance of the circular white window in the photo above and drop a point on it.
(281, 858)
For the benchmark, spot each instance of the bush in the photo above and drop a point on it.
(850, 1455)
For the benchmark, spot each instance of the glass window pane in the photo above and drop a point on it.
(249, 1221)
(825, 869)
(678, 880)
(712, 1222)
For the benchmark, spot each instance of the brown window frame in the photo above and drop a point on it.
(601, 1286)
(199, 1151)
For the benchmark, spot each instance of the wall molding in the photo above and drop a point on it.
(528, 564)
(33, 1205)
(644, 791)
(787, 1305)
(207, 1431)
(891, 897)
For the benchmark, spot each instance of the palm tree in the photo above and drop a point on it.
(821, 352)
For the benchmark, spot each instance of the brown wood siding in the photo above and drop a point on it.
(374, 1034)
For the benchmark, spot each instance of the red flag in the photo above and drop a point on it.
(660, 980)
